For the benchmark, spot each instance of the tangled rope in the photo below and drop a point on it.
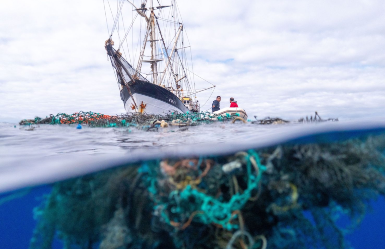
(239, 200)
(95, 119)
(187, 201)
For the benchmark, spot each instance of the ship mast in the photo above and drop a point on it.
(153, 61)
(173, 76)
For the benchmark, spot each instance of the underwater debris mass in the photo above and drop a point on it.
(285, 196)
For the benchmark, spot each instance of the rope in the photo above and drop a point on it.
(236, 235)
(15, 195)
(128, 49)
(129, 29)
(211, 209)
(200, 77)
(118, 11)
(104, 5)
(208, 99)
(166, 20)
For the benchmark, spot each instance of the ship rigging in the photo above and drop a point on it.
(155, 36)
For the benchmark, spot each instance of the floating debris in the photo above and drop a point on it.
(317, 118)
(138, 120)
(251, 199)
(269, 120)
(94, 119)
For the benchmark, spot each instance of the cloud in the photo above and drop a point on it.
(277, 58)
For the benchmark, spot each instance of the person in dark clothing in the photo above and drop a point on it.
(233, 103)
(216, 104)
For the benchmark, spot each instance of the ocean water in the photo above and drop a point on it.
(49, 147)
(35, 160)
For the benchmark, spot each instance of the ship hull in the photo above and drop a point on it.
(151, 99)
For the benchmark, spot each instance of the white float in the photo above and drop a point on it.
(233, 111)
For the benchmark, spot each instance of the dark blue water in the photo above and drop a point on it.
(16, 214)
(17, 222)
(370, 233)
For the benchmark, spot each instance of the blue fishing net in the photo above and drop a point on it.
(285, 196)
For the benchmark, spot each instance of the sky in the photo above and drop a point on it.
(276, 58)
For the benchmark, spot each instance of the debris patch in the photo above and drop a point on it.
(287, 196)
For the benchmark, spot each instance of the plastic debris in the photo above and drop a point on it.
(94, 119)
(251, 199)
(232, 166)
(269, 120)
(317, 118)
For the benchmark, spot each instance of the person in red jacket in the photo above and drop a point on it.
(233, 103)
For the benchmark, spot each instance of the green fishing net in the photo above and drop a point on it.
(286, 196)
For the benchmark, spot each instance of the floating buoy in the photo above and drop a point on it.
(79, 126)
(163, 124)
(240, 119)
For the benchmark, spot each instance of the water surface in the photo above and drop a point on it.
(46, 154)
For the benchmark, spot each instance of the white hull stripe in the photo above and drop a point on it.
(153, 106)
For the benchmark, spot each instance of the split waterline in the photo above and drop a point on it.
(279, 185)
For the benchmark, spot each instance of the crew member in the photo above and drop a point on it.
(233, 103)
(216, 104)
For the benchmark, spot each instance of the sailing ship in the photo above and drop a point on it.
(169, 84)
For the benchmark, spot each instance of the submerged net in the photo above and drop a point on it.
(285, 196)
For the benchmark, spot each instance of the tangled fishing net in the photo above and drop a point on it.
(269, 120)
(281, 197)
(94, 119)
